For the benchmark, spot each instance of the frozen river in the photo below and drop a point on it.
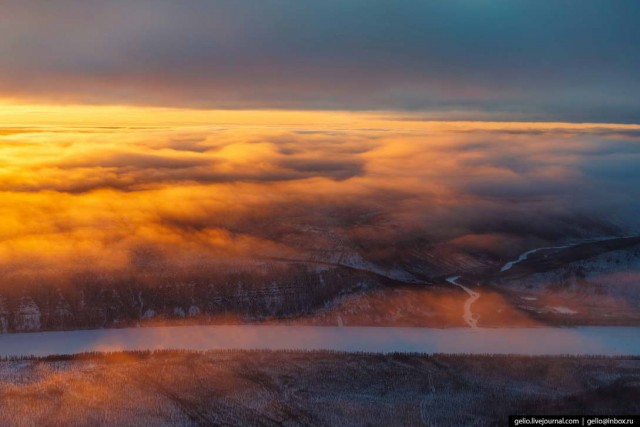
(534, 341)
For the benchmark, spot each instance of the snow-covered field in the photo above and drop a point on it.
(531, 341)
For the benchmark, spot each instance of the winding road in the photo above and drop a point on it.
(525, 255)
(472, 320)
(601, 240)
(468, 316)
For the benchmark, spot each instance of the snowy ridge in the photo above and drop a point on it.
(526, 254)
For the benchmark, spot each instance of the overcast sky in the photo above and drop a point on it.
(474, 59)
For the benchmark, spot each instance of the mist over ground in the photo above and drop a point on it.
(119, 198)
(197, 216)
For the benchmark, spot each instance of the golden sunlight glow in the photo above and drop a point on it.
(101, 181)
(13, 113)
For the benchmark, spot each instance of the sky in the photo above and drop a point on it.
(455, 60)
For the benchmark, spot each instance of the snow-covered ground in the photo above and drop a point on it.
(531, 341)
(525, 255)
(603, 288)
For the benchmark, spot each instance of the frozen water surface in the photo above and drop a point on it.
(533, 341)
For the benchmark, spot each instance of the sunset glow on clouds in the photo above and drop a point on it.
(198, 131)
(323, 176)
(233, 190)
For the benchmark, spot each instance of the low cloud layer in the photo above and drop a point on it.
(108, 199)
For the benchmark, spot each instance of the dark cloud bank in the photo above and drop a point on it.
(526, 60)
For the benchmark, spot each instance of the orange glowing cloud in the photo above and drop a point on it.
(201, 185)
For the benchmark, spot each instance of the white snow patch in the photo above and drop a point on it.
(27, 316)
(149, 314)
(561, 310)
